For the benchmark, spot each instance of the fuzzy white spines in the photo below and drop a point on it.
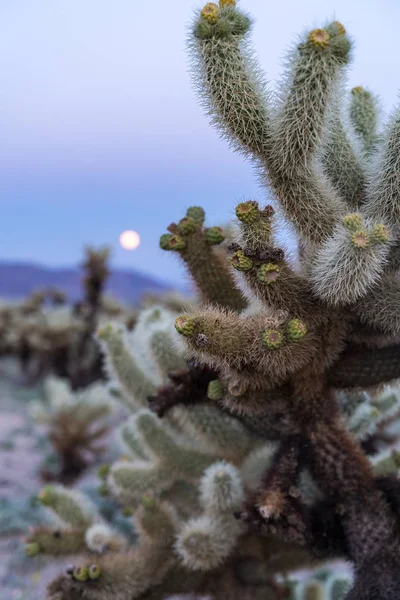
(206, 541)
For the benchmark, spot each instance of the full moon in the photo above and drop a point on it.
(129, 240)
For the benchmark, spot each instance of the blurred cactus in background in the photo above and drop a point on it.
(261, 436)
(50, 336)
(76, 422)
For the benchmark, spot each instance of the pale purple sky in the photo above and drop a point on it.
(100, 130)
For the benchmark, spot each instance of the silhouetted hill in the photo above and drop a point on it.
(17, 280)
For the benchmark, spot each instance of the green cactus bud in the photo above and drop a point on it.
(353, 222)
(223, 3)
(295, 330)
(215, 390)
(360, 239)
(94, 572)
(80, 573)
(358, 90)
(47, 496)
(169, 241)
(380, 234)
(210, 13)
(185, 326)
(103, 471)
(272, 338)
(241, 262)
(196, 213)
(214, 235)
(32, 549)
(336, 28)
(268, 273)
(187, 225)
(319, 38)
(164, 241)
(247, 212)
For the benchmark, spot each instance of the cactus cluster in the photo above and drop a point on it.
(49, 335)
(268, 450)
(183, 478)
(76, 424)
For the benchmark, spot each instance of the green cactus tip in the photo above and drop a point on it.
(223, 3)
(214, 235)
(47, 495)
(80, 573)
(210, 13)
(94, 572)
(241, 262)
(196, 213)
(32, 549)
(272, 338)
(187, 225)
(296, 330)
(353, 222)
(268, 273)
(319, 38)
(360, 239)
(247, 212)
(185, 325)
(380, 234)
(169, 241)
(215, 390)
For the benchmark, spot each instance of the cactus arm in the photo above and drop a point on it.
(351, 261)
(308, 198)
(263, 265)
(122, 365)
(274, 346)
(364, 116)
(380, 308)
(342, 164)
(362, 368)
(383, 193)
(209, 269)
(229, 83)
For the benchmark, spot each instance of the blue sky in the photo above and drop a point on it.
(100, 130)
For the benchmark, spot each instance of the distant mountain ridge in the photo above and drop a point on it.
(18, 279)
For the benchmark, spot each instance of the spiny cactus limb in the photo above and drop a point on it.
(342, 165)
(55, 542)
(363, 114)
(383, 191)
(308, 198)
(165, 353)
(129, 482)
(380, 307)
(71, 506)
(168, 449)
(342, 472)
(351, 261)
(122, 363)
(360, 367)
(229, 84)
(264, 343)
(210, 270)
(122, 576)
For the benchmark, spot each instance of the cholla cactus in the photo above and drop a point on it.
(278, 355)
(183, 478)
(76, 422)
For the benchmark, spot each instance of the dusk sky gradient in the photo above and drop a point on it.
(100, 130)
